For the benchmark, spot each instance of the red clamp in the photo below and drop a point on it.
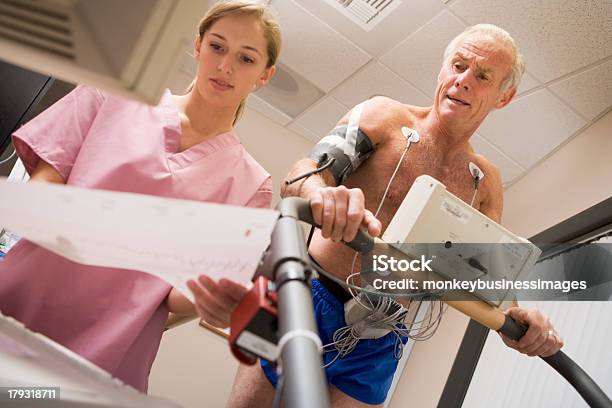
(253, 325)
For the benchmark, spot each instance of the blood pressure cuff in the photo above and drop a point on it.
(348, 156)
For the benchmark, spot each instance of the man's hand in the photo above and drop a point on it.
(340, 212)
(541, 339)
(215, 301)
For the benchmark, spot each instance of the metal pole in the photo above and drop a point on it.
(304, 382)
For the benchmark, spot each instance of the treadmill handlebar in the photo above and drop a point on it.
(299, 208)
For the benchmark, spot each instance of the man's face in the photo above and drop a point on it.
(470, 79)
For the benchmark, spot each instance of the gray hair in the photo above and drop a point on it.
(499, 34)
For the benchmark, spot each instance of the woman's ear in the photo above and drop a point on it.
(198, 45)
(266, 76)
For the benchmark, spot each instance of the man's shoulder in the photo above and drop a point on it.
(486, 165)
(384, 101)
(492, 180)
(382, 115)
(384, 105)
(493, 192)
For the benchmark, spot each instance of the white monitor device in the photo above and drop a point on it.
(465, 243)
(32, 360)
(135, 48)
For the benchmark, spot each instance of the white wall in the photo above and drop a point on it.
(507, 379)
(424, 377)
(195, 367)
(576, 177)
(273, 146)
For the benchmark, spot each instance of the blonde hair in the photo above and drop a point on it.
(266, 17)
(499, 34)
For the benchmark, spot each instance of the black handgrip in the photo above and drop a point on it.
(512, 329)
(572, 372)
(363, 242)
(300, 208)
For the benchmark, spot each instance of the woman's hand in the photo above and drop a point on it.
(215, 301)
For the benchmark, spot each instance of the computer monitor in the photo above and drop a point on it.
(464, 243)
(133, 48)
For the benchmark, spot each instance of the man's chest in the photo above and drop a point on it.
(421, 158)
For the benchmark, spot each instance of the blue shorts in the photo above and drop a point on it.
(366, 373)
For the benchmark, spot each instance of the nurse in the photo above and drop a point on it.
(185, 147)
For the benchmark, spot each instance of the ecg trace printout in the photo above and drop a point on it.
(175, 240)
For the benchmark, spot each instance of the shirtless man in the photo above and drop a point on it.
(480, 73)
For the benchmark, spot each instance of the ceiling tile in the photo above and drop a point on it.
(404, 20)
(509, 169)
(256, 103)
(376, 79)
(531, 127)
(323, 116)
(589, 92)
(289, 92)
(302, 131)
(556, 36)
(315, 51)
(418, 59)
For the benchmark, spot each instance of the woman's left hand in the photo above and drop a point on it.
(215, 301)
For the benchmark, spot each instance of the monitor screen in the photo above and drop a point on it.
(21, 90)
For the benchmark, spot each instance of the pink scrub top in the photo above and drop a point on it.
(115, 317)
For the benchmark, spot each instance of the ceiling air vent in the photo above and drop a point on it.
(366, 13)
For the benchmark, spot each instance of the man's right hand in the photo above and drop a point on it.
(340, 211)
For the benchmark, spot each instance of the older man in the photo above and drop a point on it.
(480, 73)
